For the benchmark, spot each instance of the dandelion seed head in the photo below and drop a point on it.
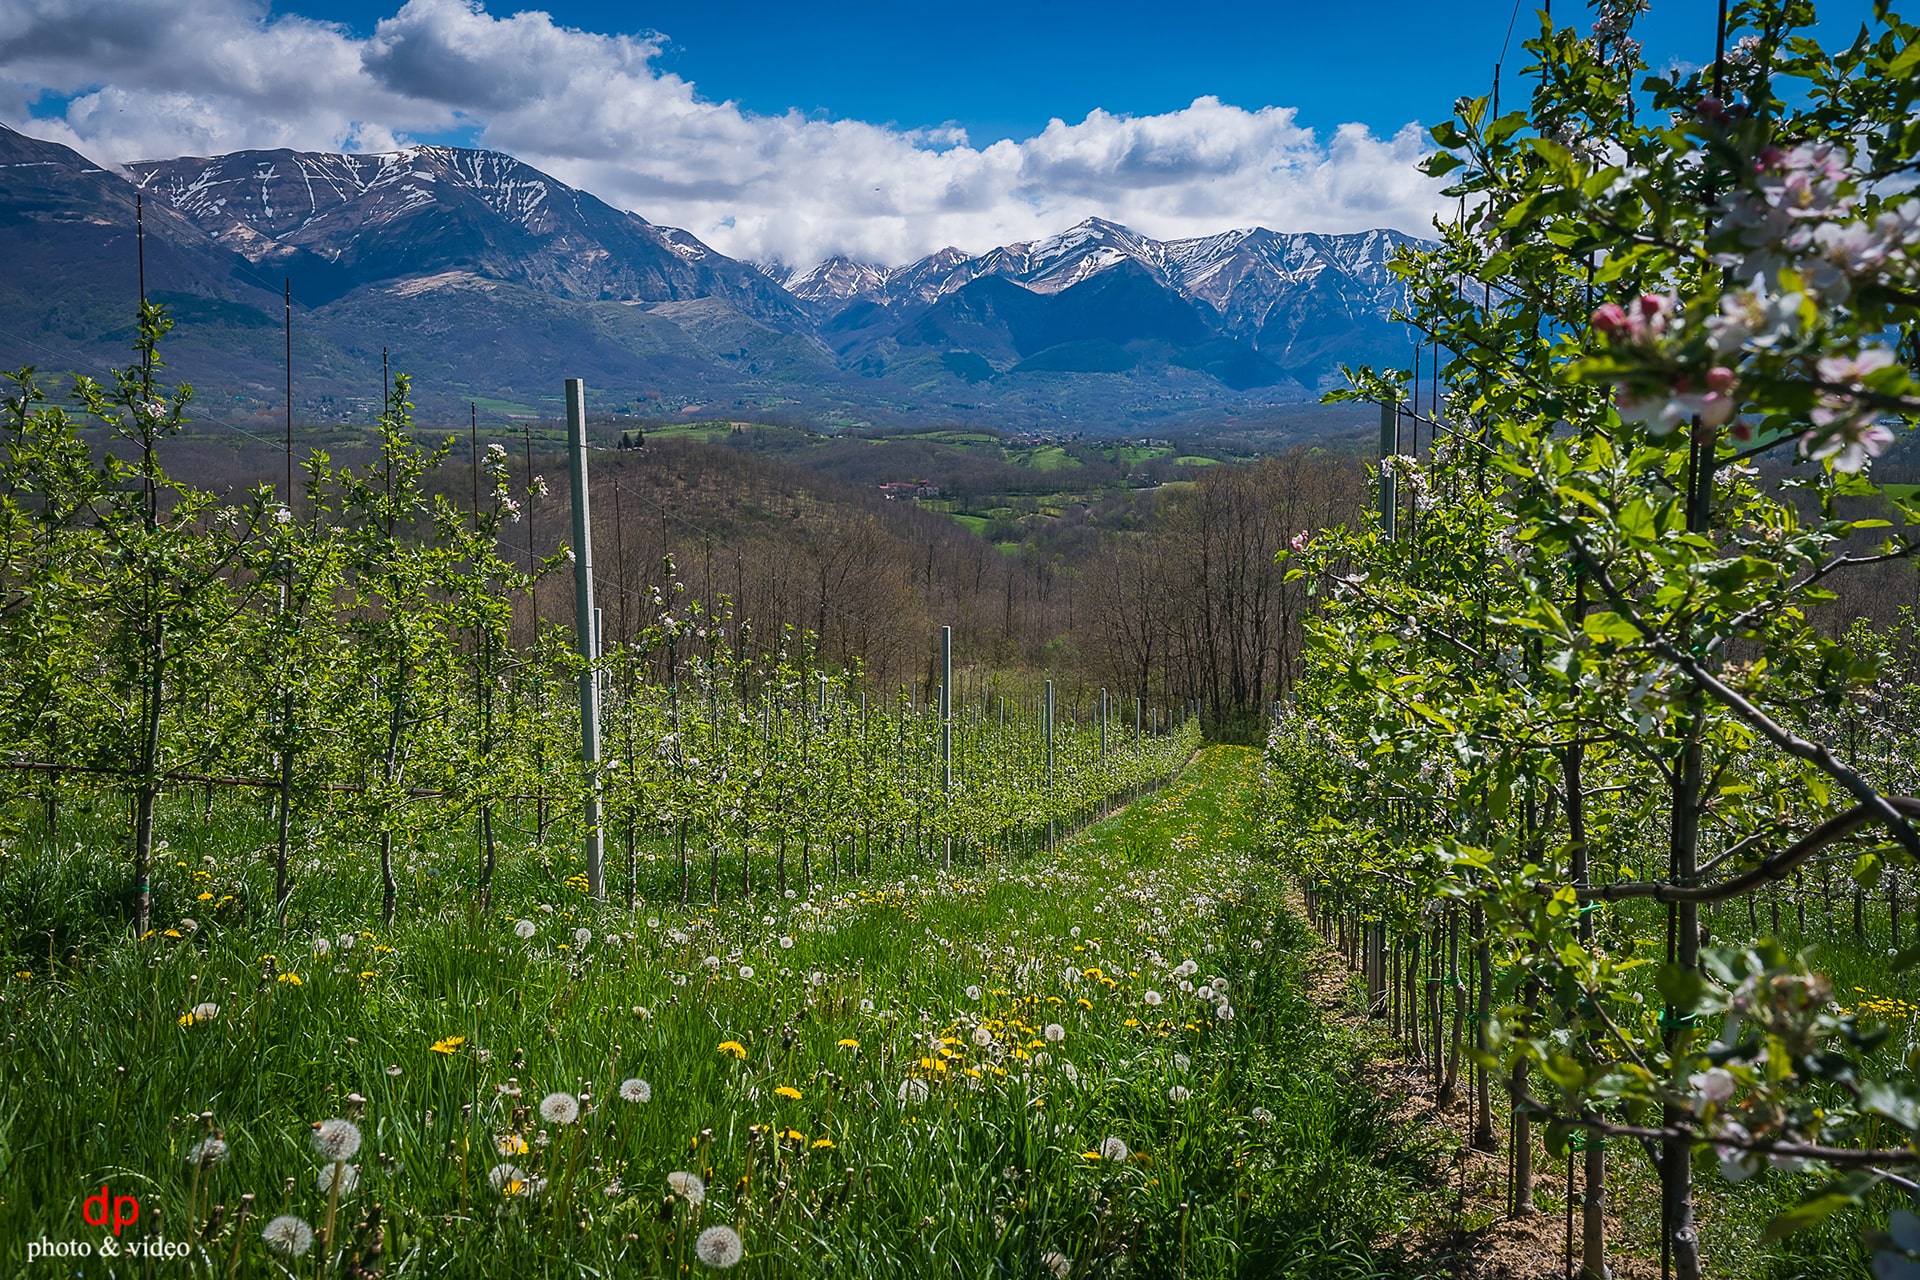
(636, 1090)
(719, 1247)
(559, 1108)
(1114, 1149)
(1058, 1264)
(336, 1140)
(288, 1236)
(349, 1178)
(913, 1090)
(688, 1186)
(524, 929)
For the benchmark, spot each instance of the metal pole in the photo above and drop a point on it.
(946, 732)
(946, 708)
(289, 336)
(1046, 720)
(1389, 442)
(586, 628)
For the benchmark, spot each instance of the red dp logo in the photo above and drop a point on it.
(125, 1210)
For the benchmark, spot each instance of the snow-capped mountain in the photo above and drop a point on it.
(1240, 275)
(485, 277)
(1289, 306)
(336, 222)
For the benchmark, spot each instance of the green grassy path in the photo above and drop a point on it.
(1022, 1070)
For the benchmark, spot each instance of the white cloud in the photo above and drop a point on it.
(207, 76)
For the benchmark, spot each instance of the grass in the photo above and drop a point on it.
(1255, 1145)
(507, 408)
(1046, 457)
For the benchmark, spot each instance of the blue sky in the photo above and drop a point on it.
(1002, 70)
(790, 132)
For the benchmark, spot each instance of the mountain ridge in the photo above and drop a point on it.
(483, 273)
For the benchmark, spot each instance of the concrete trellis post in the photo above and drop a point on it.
(586, 628)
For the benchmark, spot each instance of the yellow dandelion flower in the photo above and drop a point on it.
(787, 1091)
(849, 1043)
(449, 1046)
(793, 1135)
(205, 897)
(1084, 1003)
(733, 1047)
(823, 1144)
(291, 978)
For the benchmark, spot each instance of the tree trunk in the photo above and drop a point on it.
(1522, 1145)
(281, 889)
(1413, 989)
(143, 798)
(1483, 1139)
(1450, 1086)
(487, 853)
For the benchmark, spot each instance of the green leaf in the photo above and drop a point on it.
(1684, 989)
(1899, 1103)
(1607, 625)
(1564, 1071)
(1866, 871)
(1903, 63)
